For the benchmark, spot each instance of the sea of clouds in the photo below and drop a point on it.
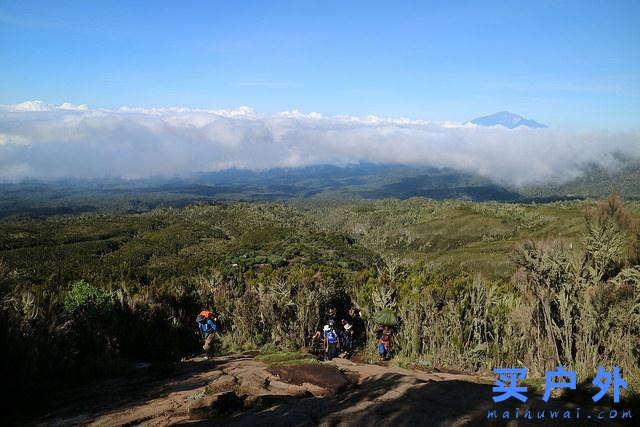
(43, 141)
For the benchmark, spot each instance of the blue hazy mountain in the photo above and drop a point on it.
(321, 182)
(506, 119)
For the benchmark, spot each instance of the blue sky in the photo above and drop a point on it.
(567, 64)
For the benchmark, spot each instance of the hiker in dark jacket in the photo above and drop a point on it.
(346, 338)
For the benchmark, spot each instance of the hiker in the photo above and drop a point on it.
(332, 325)
(207, 322)
(317, 343)
(384, 343)
(346, 338)
(331, 342)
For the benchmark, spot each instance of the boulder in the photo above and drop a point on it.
(324, 376)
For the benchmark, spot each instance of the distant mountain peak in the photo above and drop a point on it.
(506, 119)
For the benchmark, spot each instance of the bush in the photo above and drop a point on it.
(87, 297)
(385, 317)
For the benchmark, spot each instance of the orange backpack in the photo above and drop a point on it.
(207, 314)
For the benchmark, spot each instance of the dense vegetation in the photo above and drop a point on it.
(472, 285)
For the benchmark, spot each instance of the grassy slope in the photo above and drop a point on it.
(166, 244)
(459, 236)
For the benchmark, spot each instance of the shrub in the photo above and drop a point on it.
(87, 297)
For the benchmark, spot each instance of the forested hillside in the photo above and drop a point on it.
(83, 294)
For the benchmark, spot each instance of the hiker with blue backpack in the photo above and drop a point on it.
(331, 341)
(207, 322)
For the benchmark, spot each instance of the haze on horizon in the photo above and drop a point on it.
(155, 88)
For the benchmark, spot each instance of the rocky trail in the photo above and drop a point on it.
(241, 391)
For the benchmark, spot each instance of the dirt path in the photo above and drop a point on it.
(375, 395)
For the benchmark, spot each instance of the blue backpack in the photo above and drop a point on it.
(331, 336)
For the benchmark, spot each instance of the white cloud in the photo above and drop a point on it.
(30, 106)
(72, 107)
(40, 106)
(6, 139)
(43, 141)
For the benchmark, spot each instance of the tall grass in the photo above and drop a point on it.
(576, 307)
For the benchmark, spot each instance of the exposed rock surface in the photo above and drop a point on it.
(222, 383)
(323, 379)
(252, 385)
(240, 391)
(212, 405)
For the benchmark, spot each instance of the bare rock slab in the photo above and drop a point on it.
(326, 377)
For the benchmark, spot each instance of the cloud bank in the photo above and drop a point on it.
(42, 141)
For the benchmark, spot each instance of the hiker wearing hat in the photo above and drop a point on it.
(331, 341)
(346, 338)
(207, 322)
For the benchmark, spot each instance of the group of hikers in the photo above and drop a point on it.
(340, 341)
(335, 340)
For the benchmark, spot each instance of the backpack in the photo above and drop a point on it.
(207, 314)
(346, 339)
(332, 336)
